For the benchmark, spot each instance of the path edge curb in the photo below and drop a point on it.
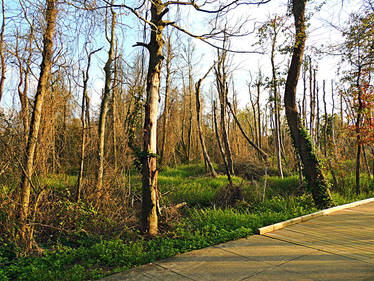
(280, 225)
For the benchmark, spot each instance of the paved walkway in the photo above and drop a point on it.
(339, 246)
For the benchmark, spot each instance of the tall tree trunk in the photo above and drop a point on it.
(222, 87)
(311, 99)
(150, 207)
(83, 134)
(165, 121)
(313, 107)
(23, 85)
(276, 115)
(104, 105)
(318, 120)
(259, 114)
(254, 117)
(332, 115)
(341, 111)
(358, 128)
(302, 143)
(326, 119)
(45, 68)
(2, 57)
(114, 116)
(189, 130)
(84, 121)
(304, 95)
(198, 113)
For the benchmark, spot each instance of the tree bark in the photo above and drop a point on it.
(150, 207)
(299, 135)
(45, 68)
(165, 121)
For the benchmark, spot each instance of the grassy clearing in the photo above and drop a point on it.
(82, 256)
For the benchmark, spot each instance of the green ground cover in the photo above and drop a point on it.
(201, 223)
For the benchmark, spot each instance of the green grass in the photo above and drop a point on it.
(203, 223)
(200, 228)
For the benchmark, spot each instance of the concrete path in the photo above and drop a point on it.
(339, 246)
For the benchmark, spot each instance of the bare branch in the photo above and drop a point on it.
(204, 39)
(141, 44)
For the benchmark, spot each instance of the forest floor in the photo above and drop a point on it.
(82, 242)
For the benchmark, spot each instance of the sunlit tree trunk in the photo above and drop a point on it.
(258, 86)
(302, 142)
(150, 207)
(45, 68)
(165, 119)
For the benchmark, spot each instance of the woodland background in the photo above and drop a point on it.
(97, 177)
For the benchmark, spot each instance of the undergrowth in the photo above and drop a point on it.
(88, 252)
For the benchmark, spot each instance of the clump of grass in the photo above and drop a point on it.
(184, 171)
